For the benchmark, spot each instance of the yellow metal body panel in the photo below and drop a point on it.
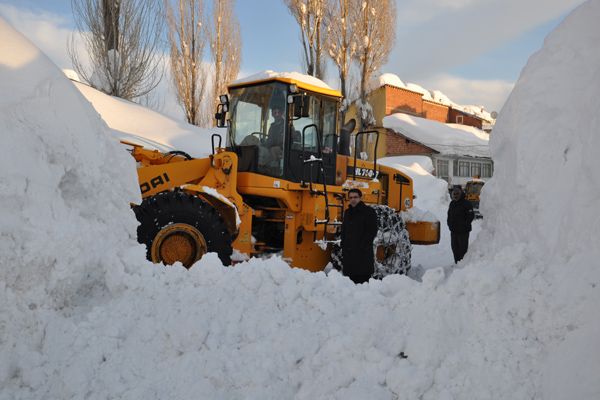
(423, 232)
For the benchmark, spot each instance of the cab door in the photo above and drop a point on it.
(313, 136)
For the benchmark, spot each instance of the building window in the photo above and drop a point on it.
(464, 169)
(459, 119)
(442, 170)
(476, 169)
(486, 170)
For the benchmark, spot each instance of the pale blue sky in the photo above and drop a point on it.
(478, 45)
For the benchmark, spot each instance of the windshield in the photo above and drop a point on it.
(254, 110)
(258, 116)
(473, 187)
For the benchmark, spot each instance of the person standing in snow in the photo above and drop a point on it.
(460, 216)
(359, 229)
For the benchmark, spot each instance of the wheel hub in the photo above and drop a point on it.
(178, 242)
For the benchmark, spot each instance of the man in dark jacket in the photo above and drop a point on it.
(359, 229)
(460, 215)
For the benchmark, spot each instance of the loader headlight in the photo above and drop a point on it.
(407, 202)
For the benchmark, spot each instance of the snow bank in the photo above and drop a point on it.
(453, 139)
(269, 74)
(543, 203)
(137, 124)
(82, 315)
(62, 185)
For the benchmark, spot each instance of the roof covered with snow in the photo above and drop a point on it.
(140, 125)
(303, 81)
(450, 139)
(387, 79)
(435, 96)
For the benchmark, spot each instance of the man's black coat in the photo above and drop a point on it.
(460, 215)
(359, 229)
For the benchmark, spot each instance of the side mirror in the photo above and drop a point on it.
(222, 109)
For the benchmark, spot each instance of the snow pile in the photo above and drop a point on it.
(453, 139)
(137, 124)
(269, 74)
(55, 203)
(81, 318)
(543, 204)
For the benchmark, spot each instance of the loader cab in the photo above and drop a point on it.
(276, 125)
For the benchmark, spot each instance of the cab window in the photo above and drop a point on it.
(258, 115)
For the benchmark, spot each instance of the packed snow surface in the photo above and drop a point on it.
(137, 124)
(83, 315)
(452, 139)
(269, 74)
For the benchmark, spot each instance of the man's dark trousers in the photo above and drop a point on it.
(358, 279)
(460, 244)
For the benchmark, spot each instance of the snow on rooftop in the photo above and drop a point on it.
(416, 88)
(451, 139)
(387, 79)
(137, 124)
(269, 74)
(434, 96)
(440, 97)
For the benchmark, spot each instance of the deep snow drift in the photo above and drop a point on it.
(82, 315)
(136, 124)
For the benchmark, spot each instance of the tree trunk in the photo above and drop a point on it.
(110, 16)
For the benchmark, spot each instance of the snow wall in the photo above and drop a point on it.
(82, 315)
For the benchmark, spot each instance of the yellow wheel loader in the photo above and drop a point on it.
(472, 193)
(278, 185)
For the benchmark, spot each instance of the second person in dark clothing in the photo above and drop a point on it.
(359, 229)
(460, 216)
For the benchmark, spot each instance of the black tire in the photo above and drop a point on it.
(392, 237)
(166, 210)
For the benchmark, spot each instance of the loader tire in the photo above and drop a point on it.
(176, 226)
(391, 246)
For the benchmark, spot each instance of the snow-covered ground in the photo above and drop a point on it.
(83, 315)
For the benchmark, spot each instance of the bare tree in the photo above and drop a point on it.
(309, 14)
(122, 39)
(225, 46)
(339, 41)
(374, 24)
(187, 39)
